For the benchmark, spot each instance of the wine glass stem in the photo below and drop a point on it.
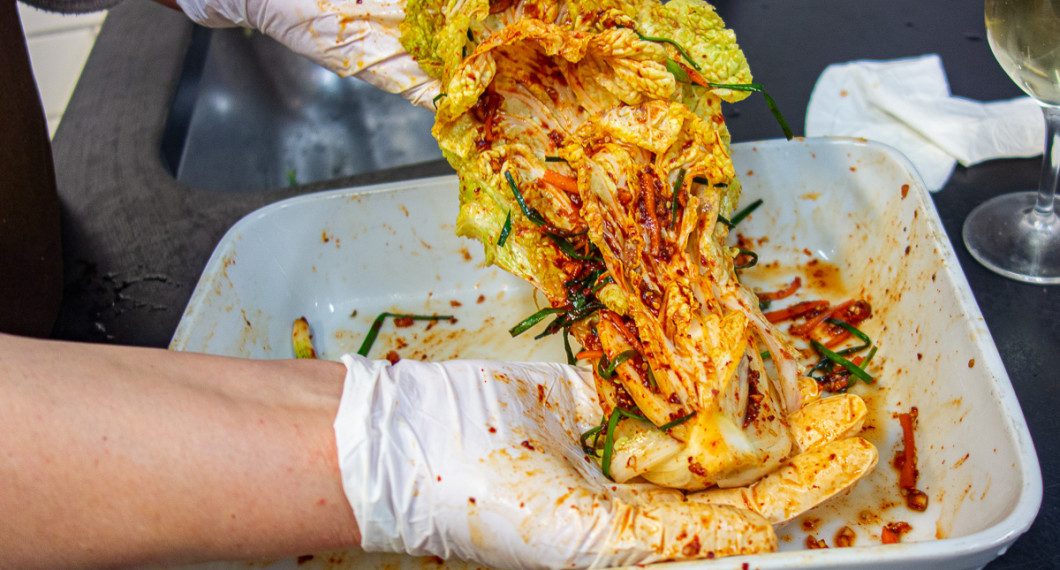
(1050, 164)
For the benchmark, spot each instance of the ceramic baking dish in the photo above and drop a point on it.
(858, 209)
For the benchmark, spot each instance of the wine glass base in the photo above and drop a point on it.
(1009, 237)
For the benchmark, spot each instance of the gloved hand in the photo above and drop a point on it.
(349, 37)
(481, 461)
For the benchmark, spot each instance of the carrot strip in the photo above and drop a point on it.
(838, 339)
(796, 310)
(693, 75)
(560, 181)
(807, 328)
(908, 476)
(589, 354)
(787, 291)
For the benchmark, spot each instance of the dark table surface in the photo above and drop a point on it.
(136, 240)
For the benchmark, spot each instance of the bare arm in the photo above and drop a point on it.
(116, 455)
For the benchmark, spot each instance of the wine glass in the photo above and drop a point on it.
(1018, 234)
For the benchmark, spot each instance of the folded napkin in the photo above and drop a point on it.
(907, 104)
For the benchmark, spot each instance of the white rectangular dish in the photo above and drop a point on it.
(342, 257)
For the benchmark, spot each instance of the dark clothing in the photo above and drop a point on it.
(30, 251)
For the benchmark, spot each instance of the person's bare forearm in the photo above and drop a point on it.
(117, 455)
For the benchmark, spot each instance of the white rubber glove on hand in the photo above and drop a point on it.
(481, 461)
(349, 37)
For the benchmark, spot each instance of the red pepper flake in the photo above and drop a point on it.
(526, 443)
(813, 543)
(845, 537)
(892, 532)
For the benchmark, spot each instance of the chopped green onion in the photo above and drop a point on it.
(865, 363)
(609, 443)
(739, 217)
(590, 450)
(702, 180)
(606, 369)
(437, 97)
(677, 422)
(853, 368)
(377, 324)
(676, 45)
(752, 263)
(675, 204)
(609, 438)
(555, 159)
(533, 319)
(603, 283)
(568, 248)
(507, 229)
(756, 88)
(566, 347)
(570, 317)
(530, 213)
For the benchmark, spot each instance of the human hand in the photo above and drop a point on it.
(350, 37)
(480, 461)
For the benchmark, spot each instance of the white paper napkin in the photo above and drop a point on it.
(906, 103)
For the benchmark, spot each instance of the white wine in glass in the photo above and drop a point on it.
(1018, 234)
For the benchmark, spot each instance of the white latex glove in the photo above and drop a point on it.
(480, 461)
(349, 37)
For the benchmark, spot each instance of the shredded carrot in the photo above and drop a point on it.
(796, 310)
(908, 477)
(694, 75)
(560, 181)
(787, 291)
(589, 354)
(807, 328)
(838, 339)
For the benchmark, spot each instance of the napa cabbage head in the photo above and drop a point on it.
(615, 52)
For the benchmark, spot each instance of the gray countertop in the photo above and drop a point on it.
(136, 240)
